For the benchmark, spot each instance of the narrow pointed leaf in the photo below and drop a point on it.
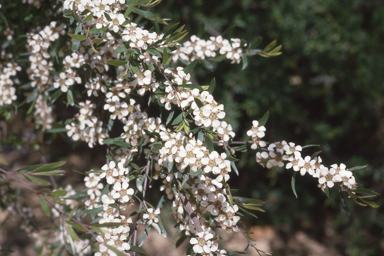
(45, 206)
(49, 167)
(129, 9)
(357, 168)
(212, 86)
(72, 233)
(264, 119)
(293, 182)
(37, 180)
(270, 46)
(190, 66)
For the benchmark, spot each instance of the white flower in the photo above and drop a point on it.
(151, 216)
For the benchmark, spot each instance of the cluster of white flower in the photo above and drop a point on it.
(87, 127)
(69, 77)
(94, 187)
(7, 91)
(198, 48)
(38, 72)
(139, 125)
(43, 113)
(115, 175)
(183, 162)
(276, 153)
(207, 188)
(256, 133)
(207, 115)
(38, 44)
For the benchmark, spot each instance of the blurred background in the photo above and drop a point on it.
(326, 88)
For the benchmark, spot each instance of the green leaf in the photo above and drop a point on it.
(135, 166)
(209, 143)
(139, 182)
(180, 127)
(108, 225)
(230, 158)
(71, 233)
(44, 205)
(372, 204)
(144, 235)
(33, 96)
(117, 62)
(365, 191)
(234, 167)
(165, 55)
(93, 211)
(122, 144)
(107, 16)
(253, 207)
(270, 46)
(245, 61)
(59, 193)
(170, 29)
(154, 52)
(145, 14)
(199, 103)
(212, 86)
(315, 154)
(264, 119)
(190, 66)
(129, 9)
(169, 118)
(310, 145)
(56, 95)
(50, 173)
(37, 180)
(357, 168)
(70, 98)
(120, 49)
(136, 212)
(293, 182)
(115, 250)
(180, 241)
(326, 191)
(76, 226)
(97, 40)
(162, 232)
(277, 49)
(178, 119)
(197, 173)
(29, 168)
(89, 17)
(137, 249)
(170, 166)
(75, 45)
(180, 36)
(344, 205)
(48, 167)
(187, 128)
(98, 30)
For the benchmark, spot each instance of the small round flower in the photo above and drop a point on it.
(151, 216)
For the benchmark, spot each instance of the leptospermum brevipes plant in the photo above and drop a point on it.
(112, 62)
